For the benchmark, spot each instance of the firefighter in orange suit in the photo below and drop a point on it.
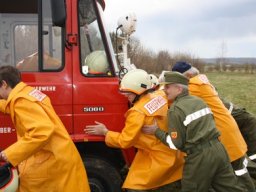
(46, 157)
(155, 167)
(231, 137)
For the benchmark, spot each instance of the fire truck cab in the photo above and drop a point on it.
(50, 42)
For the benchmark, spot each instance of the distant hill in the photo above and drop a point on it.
(238, 60)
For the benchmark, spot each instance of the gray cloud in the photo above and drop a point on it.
(201, 26)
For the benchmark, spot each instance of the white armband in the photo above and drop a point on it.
(170, 143)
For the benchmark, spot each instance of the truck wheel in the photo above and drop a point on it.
(103, 177)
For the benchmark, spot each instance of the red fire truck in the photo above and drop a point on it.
(49, 41)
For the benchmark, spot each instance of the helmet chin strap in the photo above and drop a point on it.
(144, 93)
(136, 99)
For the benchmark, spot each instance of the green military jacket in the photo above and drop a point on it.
(190, 122)
(233, 109)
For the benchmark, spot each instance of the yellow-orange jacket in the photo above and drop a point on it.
(154, 164)
(47, 158)
(225, 123)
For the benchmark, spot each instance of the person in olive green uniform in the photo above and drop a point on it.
(231, 137)
(247, 125)
(191, 129)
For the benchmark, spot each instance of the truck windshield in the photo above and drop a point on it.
(94, 59)
(19, 36)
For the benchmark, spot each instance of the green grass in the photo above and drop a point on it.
(239, 88)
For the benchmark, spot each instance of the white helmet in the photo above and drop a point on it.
(9, 179)
(161, 77)
(154, 80)
(136, 81)
(97, 62)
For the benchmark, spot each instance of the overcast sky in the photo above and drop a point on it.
(198, 27)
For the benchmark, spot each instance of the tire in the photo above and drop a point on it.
(103, 177)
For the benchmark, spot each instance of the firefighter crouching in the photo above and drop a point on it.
(155, 166)
(47, 158)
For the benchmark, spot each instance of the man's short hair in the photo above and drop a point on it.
(10, 75)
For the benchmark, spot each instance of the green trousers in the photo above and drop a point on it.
(172, 187)
(209, 167)
(244, 179)
(246, 123)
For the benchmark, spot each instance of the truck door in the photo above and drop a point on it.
(95, 84)
(44, 64)
(30, 42)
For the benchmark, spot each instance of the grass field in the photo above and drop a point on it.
(240, 88)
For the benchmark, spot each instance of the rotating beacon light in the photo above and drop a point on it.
(127, 24)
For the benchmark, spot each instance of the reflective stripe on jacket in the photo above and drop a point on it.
(191, 121)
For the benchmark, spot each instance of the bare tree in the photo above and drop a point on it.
(134, 48)
(221, 59)
(163, 61)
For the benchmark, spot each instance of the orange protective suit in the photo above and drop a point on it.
(154, 164)
(46, 156)
(225, 123)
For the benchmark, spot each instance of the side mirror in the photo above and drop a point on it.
(58, 12)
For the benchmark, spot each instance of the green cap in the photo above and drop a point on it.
(175, 77)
